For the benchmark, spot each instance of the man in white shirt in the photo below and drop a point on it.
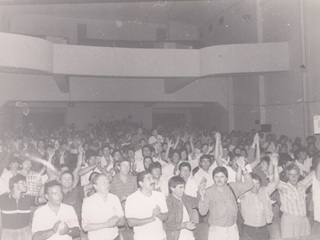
(55, 220)
(191, 187)
(102, 212)
(146, 210)
(204, 174)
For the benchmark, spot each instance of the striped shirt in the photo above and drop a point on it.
(293, 199)
(16, 215)
(121, 189)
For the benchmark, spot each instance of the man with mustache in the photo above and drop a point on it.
(220, 201)
(146, 210)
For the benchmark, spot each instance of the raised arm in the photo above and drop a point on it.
(274, 161)
(218, 150)
(257, 160)
(79, 163)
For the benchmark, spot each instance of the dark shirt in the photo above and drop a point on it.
(74, 198)
(16, 215)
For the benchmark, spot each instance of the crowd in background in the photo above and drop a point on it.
(116, 180)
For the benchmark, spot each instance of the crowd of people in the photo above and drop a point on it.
(115, 180)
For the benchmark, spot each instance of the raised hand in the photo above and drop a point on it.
(274, 157)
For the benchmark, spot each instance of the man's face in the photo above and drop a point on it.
(293, 176)
(66, 180)
(54, 195)
(117, 156)
(125, 168)
(142, 143)
(156, 173)
(256, 185)
(140, 131)
(264, 166)
(205, 164)
(220, 179)
(175, 158)
(147, 162)
(21, 186)
(147, 183)
(302, 155)
(184, 155)
(102, 185)
(178, 190)
(26, 165)
(184, 172)
(14, 165)
(146, 152)
(204, 149)
(91, 161)
(106, 152)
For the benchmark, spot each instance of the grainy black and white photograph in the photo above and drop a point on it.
(159, 119)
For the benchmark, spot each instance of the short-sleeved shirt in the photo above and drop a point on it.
(16, 215)
(97, 210)
(140, 206)
(44, 219)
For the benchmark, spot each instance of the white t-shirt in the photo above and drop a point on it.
(96, 210)
(44, 219)
(140, 206)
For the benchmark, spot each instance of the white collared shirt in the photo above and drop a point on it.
(44, 219)
(97, 210)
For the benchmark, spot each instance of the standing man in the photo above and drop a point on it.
(294, 221)
(55, 220)
(102, 212)
(256, 207)
(123, 183)
(220, 201)
(182, 214)
(16, 210)
(146, 210)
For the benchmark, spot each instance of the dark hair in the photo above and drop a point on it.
(175, 181)
(90, 153)
(284, 158)
(68, 172)
(140, 177)
(50, 184)
(255, 177)
(177, 152)
(154, 165)
(293, 167)
(184, 164)
(15, 180)
(142, 139)
(265, 159)
(220, 170)
(124, 159)
(206, 156)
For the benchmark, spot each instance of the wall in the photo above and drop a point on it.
(284, 96)
(42, 88)
(246, 102)
(234, 25)
(312, 33)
